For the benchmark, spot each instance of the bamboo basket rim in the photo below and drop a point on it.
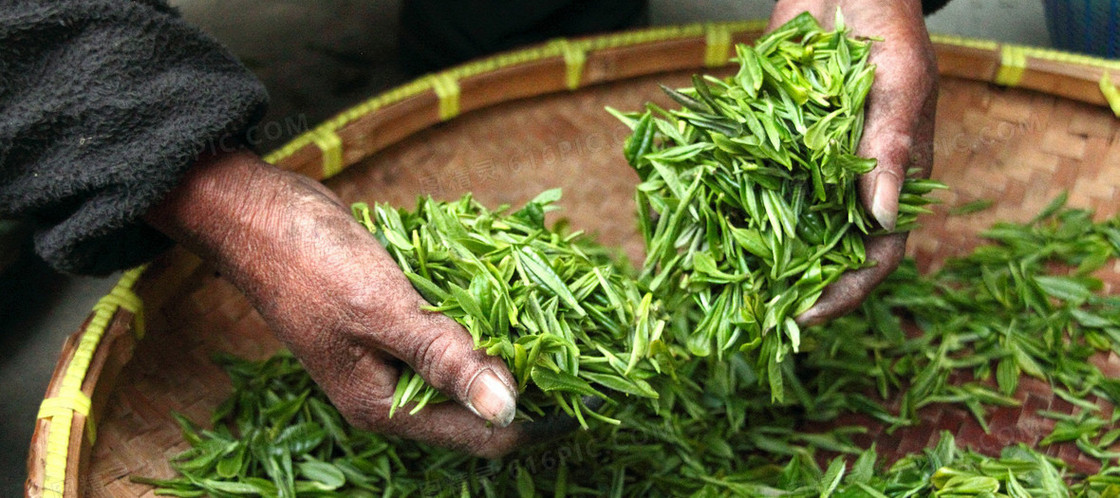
(65, 428)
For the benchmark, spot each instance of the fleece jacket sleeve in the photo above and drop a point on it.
(931, 6)
(104, 104)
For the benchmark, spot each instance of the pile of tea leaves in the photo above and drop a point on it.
(568, 320)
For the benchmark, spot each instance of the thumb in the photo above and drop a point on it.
(442, 352)
(900, 114)
(899, 133)
(880, 188)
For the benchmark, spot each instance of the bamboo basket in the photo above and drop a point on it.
(1016, 125)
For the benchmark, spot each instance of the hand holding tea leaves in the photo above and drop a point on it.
(898, 131)
(333, 295)
(749, 203)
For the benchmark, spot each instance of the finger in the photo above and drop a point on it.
(436, 347)
(853, 287)
(443, 353)
(899, 137)
(364, 395)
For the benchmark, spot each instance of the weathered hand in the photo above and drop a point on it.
(334, 296)
(898, 130)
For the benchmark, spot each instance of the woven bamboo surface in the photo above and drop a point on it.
(1018, 148)
(1015, 147)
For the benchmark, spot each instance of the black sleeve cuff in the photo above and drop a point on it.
(106, 104)
(931, 6)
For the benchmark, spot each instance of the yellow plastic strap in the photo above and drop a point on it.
(1068, 57)
(331, 146)
(73, 401)
(70, 399)
(69, 403)
(574, 60)
(58, 447)
(1013, 61)
(124, 298)
(1110, 92)
(961, 41)
(718, 40)
(447, 89)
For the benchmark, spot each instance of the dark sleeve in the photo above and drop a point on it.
(104, 104)
(439, 33)
(931, 6)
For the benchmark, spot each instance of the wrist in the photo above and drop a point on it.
(824, 10)
(220, 205)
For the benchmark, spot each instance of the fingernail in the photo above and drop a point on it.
(884, 202)
(490, 398)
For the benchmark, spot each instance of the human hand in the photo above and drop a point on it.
(898, 131)
(339, 302)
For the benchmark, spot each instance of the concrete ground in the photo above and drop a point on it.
(318, 58)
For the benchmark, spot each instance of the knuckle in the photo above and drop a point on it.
(893, 148)
(434, 357)
(372, 309)
(364, 306)
(362, 389)
(897, 140)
